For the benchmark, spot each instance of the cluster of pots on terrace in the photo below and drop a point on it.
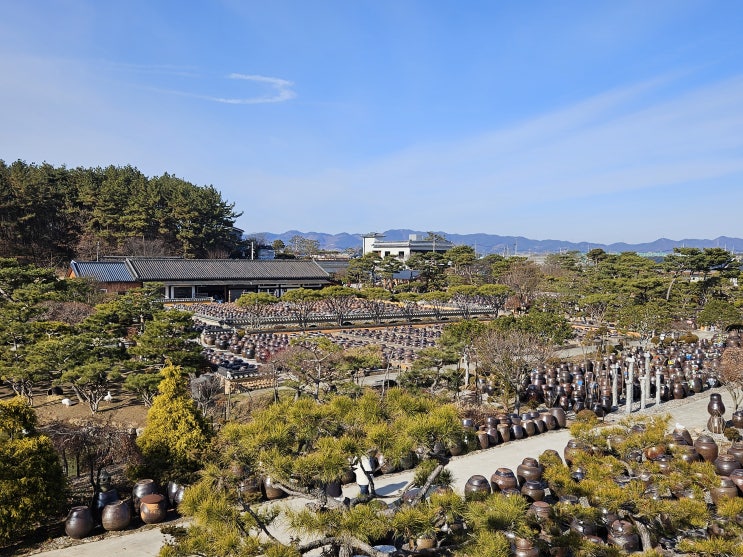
(502, 428)
(646, 465)
(672, 373)
(258, 346)
(230, 349)
(147, 504)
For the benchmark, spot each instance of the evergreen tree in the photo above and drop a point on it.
(32, 484)
(176, 434)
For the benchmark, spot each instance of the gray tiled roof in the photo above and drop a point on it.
(223, 269)
(102, 271)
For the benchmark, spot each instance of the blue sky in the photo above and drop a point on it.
(579, 121)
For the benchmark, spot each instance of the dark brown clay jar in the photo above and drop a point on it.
(737, 478)
(492, 435)
(665, 464)
(529, 469)
(79, 522)
(116, 516)
(707, 447)
(483, 440)
(504, 432)
(584, 527)
(455, 448)
(517, 432)
(525, 548)
(654, 451)
(549, 420)
(541, 509)
(141, 488)
(270, 490)
(503, 478)
(560, 417)
(153, 508)
(622, 534)
(533, 490)
(737, 419)
(715, 407)
(175, 493)
(477, 487)
(725, 464)
(529, 428)
(725, 490)
(736, 449)
(682, 436)
(716, 424)
(572, 449)
(688, 453)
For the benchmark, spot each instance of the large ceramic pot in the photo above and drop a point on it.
(682, 436)
(707, 447)
(533, 490)
(103, 498)
(175, 493)
(504, 432)
(572, 449)
(716, 424)
(725, 464)
(654, 451)
(560, 416)
(525, 548)
(493, 436)
(270, 490)
(737, 419)
(141, 488)
(153, 508)
(79, 522)
(503, 478)
(622, 534)
(688, 453)
(715, 407)
(736, 449)
(549, 420)
(583, 526)
(725, 490)
(483, 439)
(116, 516)
(529, 469)
(736, 476)
(529, 428)
(476, 488)
(541, 509)
(517, 432)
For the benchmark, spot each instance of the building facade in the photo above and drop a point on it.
(219, 279)
(403, 249)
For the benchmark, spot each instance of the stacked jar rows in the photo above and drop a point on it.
(503, 428)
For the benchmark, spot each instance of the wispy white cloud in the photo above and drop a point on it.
(279, 90)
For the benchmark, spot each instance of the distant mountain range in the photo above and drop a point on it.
(486, 244)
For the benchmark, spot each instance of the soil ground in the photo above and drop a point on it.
(124, 410)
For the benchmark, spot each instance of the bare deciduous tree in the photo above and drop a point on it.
(731, 373)
(509, 356)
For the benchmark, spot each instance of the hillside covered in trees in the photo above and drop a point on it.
(49, 215)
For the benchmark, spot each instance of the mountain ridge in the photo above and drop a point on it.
(485, 244)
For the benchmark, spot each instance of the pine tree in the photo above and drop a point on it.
(176, 433)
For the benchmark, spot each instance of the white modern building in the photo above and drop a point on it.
(403, 249)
